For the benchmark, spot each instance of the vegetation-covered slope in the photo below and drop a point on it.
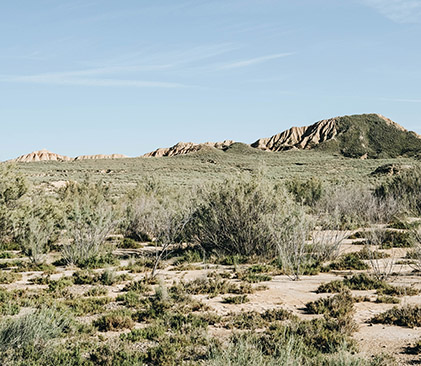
(372, 136)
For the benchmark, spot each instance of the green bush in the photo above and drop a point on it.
(13, 188)
(339, 305)
(406, 316)
(348, 261)
(89, 219)
(405, 187)
(114, 321)
(239, 216)
(32, 329)
(306, 192)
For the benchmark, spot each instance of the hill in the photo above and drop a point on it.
(356, 136)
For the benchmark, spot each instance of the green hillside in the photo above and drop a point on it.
(372, 136)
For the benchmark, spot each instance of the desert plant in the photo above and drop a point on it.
(90, 218)
(339, 305)
(405, 188)
(34, 329)
(114, 321)
(382, 268)
(406, 316)
(415, 253)
(239, 216)
(353, 207)
(306, 192)
(13, 187)
(348, 261)
(294, 251)
(37, 227)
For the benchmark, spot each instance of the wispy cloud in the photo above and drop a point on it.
(87, 78)
(399, 11)
(401, 100)
(253, 61)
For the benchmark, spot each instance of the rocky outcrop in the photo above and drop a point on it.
(299, 137)
(41, 155)
(45, 155)
(100, 156)
(183, 148)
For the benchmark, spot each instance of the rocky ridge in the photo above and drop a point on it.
(183, 148)
(45, 155)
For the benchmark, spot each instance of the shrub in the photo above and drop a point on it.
(90, 305)
(9, 277)
(32, 329)
(90, 217)
(239, 216)
(241, 299)
(13, 187)
(306, 192)
(406, 316)
(114, 321)
(353, 207)
(152, 332)
(347, 262)
(129, 243)
(294, 252)
(405, 188)
(387, 300)
(214, 287)
(337, 306)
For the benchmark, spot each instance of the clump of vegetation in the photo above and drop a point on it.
(307, 192)
(241, 299)
(106, 278)
(347, 262)
(129, 243)
(405, 188)
(32, 329)
(405, 316)
(214, 287)
(90, 305)
(339, 305)
(363, 281)
(397, 239)
(385, 299)
(9, 277)
(90, 218)
(254, 274)
(114, 321)
(239, 216)
(13, 188)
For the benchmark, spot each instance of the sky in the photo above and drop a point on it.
(104, 76)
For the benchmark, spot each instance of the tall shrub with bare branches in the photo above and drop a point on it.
(90, 218)
(240, 216)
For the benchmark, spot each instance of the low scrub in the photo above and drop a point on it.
(405, 316)
(114, 321)
(34, 329)
(336, 306)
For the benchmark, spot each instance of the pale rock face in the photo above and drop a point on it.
(45, 155)
(100, 156)
(183, 148)
(299, 137)
(41, 155)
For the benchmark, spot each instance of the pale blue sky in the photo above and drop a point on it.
(101, 76)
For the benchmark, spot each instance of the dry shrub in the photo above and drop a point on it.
(240, 216)
(353, 207)
(90, 218)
